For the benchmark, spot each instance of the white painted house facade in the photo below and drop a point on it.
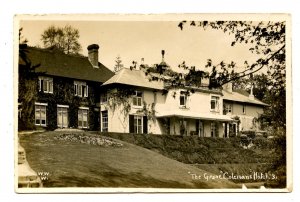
(149, 109)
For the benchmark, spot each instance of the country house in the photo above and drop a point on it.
(80, 92)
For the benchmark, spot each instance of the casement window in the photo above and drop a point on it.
(40, 114)
(244, 109)
(83, 117)
(104, 121)
(81, 89)
(138, 124)
(62, 116)
(228, 108)
(103, 98)
(137, 98)
(213, 129)
(182, 99)
(214, 103)
(45, 84)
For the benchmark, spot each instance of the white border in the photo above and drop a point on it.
(10, 8)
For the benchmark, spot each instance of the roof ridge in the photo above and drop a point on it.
(119, 75)
(56, 51)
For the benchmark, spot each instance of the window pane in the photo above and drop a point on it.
(182, 100)
(84, 117)
(134, 101)
(139, 94)
(45, 86)
(75, 89)
(79, 90)
(43, 114)
(140, 129)
(212, 104)
(139, 101)
(79, 115)
(51, 87)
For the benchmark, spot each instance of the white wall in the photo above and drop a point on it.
(251, 111)
(196, 102)
(118, 121)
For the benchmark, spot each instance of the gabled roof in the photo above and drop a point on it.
(56, 63)
(134, 78)
(241, 96)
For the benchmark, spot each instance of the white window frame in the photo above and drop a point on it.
(81, 112)
(63, 107)
(45, 84)
(78, 89)
(138, 99)
(104, 122)
(40, 106)
(182, 94)
(217, 103)
(136, 125)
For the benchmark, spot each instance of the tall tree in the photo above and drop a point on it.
(65, 39)
(118, 64)
(266, 39)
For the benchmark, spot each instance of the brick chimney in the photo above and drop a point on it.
(93, 54)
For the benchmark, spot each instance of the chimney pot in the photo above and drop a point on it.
(163, 54)
(93, 54)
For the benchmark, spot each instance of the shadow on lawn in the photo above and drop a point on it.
(114, 178)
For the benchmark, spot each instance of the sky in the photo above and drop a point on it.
(133, 40)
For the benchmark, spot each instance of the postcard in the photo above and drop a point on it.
(110, 103)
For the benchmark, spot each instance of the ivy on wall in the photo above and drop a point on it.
(63, 94)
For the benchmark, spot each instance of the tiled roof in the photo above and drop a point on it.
(55, 63)
(241, 96)
(133, 78)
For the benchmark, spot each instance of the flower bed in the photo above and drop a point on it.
(89, 139)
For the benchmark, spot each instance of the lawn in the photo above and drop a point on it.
(74, 164)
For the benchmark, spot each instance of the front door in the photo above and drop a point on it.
(62, 117)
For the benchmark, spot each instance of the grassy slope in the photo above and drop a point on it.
(80, 165)
(216, 154)
(194, 150)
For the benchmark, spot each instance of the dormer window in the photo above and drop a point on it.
(81, 89)
(45, 84)
(137, 98)
(214, 103)
(182, 99)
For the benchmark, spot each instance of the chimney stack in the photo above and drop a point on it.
(93, 54)
(251, 96)
(162, 55)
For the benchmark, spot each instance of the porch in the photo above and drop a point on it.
(190, 123)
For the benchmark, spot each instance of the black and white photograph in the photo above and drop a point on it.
(153, 103)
